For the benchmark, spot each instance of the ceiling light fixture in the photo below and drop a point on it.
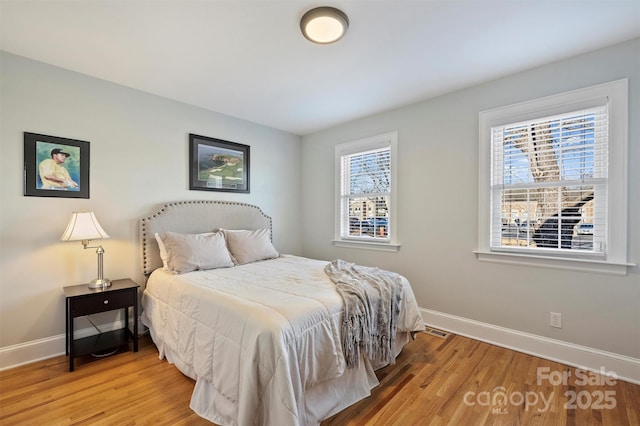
(324, 25)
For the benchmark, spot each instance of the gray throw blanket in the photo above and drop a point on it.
(371, 307)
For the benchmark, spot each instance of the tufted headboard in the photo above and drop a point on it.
(193, 217)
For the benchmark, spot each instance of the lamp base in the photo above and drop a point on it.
(100, 283)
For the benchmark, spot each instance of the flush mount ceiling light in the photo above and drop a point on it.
(324, 25)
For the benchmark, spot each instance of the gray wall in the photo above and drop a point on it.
(139, 160)
(438, 211)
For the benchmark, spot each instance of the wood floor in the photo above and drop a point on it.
(454, 381)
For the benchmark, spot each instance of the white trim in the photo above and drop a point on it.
(626, 368)
(583, 265)
(590, 359)
(616, 94)
(49, 347)
(367, 245)
(390, 140)
(36, 350)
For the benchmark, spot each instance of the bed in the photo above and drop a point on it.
(260, 336)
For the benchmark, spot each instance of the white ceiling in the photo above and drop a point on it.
(248, 59)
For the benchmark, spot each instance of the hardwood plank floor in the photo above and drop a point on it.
(454, 381)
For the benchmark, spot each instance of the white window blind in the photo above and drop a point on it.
(549, 183)
(365, 194)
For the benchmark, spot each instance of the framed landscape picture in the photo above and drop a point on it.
(55, 166)
(218, 165)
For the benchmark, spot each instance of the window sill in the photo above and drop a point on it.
(367, 245)
(582, 265)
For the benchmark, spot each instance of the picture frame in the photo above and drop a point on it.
(55, 166)
(218, 165)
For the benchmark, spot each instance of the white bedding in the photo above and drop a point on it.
(262, 340)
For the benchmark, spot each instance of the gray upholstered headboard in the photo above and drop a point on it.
(193, 217)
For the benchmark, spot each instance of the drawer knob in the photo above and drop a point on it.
(106, 302)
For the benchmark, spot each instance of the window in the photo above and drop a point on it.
(549, 177)
(365, 189)
(553, 180)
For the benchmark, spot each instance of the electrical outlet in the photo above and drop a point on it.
(556, 320)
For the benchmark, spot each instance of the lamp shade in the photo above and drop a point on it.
(83, 226)
(324, 25)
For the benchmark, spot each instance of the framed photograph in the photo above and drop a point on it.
(55, 167)
(218, 165)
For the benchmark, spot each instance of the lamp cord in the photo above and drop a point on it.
(100, 332)
(93, 324)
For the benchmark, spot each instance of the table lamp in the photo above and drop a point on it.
(84, 227)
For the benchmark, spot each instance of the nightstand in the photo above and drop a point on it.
(82, 300)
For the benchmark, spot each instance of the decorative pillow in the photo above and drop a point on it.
(251, 245)
(191, 252)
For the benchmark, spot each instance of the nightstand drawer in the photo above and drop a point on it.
(102, 302)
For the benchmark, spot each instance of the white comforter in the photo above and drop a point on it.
(261, 340)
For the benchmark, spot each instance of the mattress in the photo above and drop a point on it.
(262, 340)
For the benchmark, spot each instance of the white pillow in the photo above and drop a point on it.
(163, 252)
(251, 245)
(191, 252)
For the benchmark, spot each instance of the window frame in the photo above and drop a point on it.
(614, 94)
(384, 140)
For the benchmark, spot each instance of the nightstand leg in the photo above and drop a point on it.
(70, 338)
(66, 341)
(135, 324)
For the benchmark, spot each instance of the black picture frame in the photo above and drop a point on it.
(69, 170)
(218, 165)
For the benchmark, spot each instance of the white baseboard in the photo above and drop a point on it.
(625, 368)
(36, 350)
(590, 359)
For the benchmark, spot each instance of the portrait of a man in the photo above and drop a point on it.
(53, 173)
(55, 166)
